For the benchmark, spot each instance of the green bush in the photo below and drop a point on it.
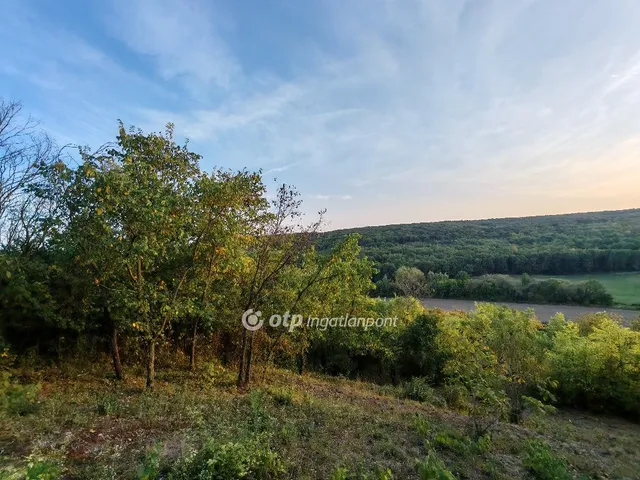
(282, 397)
(543, 464)
(339, 473)
(419, 354)
(503, 288)
(150, 468)
(17, 399)
(107, 405)
(234, 460)
(218, 376)
(35, 470)
(419, 389)
(453, 441)
(599, 370)
(433, 468)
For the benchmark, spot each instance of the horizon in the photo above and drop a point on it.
(383, 113)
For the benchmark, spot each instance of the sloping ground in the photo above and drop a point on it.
(93, 427)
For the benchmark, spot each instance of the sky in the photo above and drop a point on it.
(379, 111)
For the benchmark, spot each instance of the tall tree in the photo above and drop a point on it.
(130, 223)
(278, 241)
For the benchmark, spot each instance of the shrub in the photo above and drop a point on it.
(283, 397)
(17, 399)
(259, 419)
(107, 405)
(453, 441)
(218, 376)
(432, 468)
(150, 468)
(339, 473)
(419, 389)
(586, 323)
(43, 470)
(543, 464)
(34, 470)
(418, 351)
(239, 460)
(497, 358)
(599, 371)
(502, 288)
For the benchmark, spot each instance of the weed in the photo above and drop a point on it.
(543, 464)
(237, 460)
(150, 468)
(433, 468)
(17, 399)
(107, 404)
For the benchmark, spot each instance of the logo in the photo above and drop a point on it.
(251, 320)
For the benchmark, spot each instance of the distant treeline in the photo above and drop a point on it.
(553, 245)
(495, 288)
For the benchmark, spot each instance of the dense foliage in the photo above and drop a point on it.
(555, 245)
(136, 248)
(498, 361)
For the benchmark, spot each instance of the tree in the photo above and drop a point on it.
(497, 357)
(410, 281)
(228, 204)
(25, 151)
(129, 221)
(278, 240)
(520, 348)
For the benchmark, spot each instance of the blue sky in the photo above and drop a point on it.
(381, 111)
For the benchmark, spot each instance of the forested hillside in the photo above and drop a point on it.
(555, 245)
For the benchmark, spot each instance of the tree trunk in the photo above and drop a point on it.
(192, 353)
(151, 365)
(303, 364)
(243, 354)
(176, 341)
(115, 349)
(115, 354)
(247, 373)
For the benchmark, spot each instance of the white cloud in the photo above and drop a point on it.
(454, 105)
(180, 36)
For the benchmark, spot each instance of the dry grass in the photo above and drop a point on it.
(94, 427)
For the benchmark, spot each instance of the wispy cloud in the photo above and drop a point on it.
(330, 197)
(182, 37)
(420, 109)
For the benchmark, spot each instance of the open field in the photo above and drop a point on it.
(87, 426)
(543, 312)
(625, 287)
